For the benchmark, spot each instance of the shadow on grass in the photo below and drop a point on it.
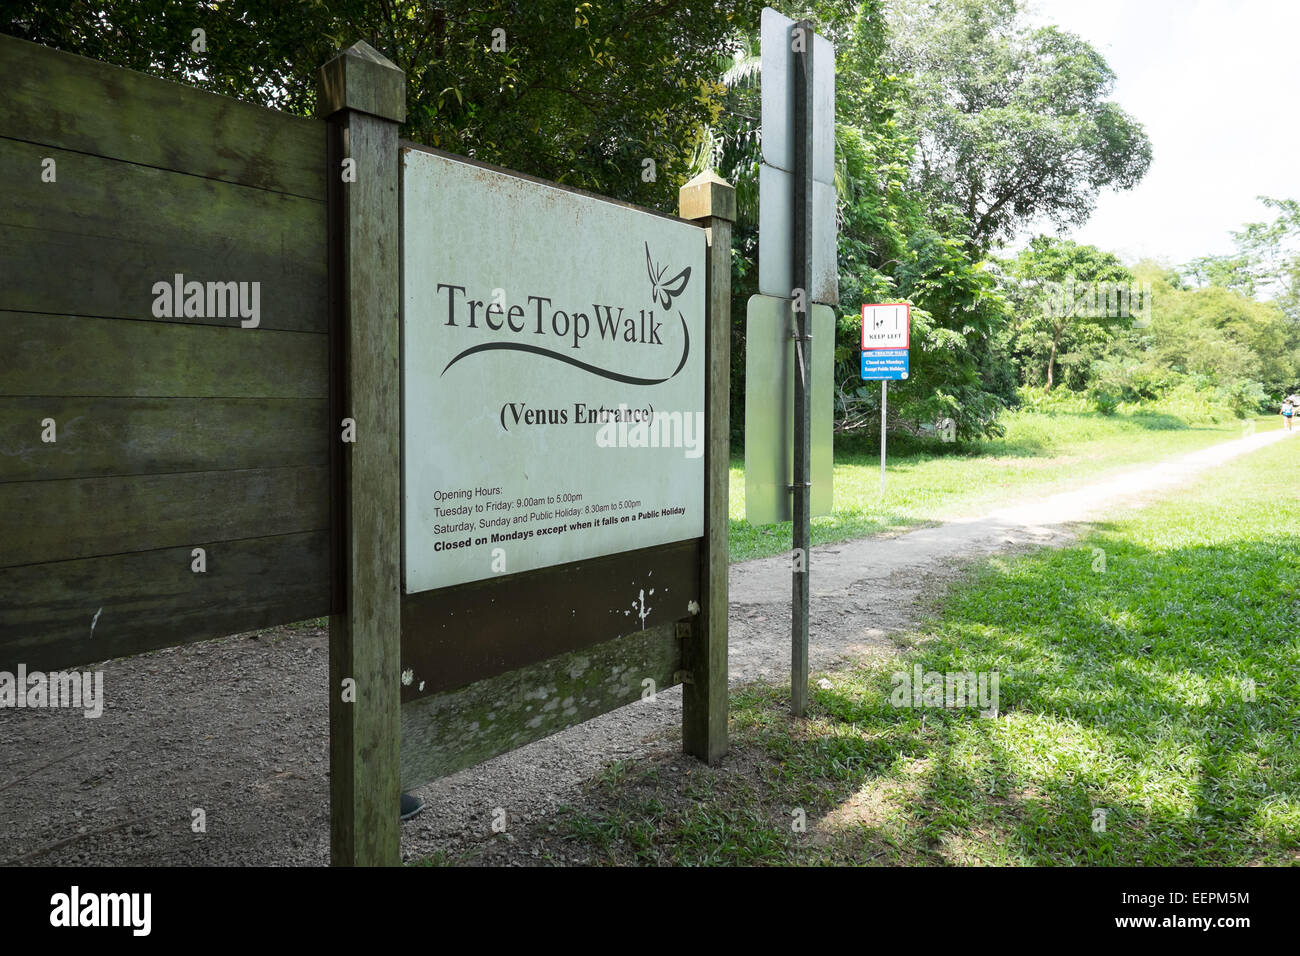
(1148, 716)
(861, 449)
(1148, 713)
(1158, 421)
(750, 541)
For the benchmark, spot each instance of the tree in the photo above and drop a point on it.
(1067, 297)
(579, 92)
(1229, 336)
(1228, 272)
(1267, 260)
(1012, 123)
(888, 249)
(1214, 343)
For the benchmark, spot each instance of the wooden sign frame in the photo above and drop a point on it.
(502, 693)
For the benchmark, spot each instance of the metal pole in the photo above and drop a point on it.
(802, 48)
(884, 400)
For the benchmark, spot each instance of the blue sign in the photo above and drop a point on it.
(885, 364)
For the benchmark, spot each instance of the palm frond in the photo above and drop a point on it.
(745, 69)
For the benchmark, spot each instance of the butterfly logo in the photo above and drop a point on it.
(665, 291)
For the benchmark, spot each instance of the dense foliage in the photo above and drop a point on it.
(578, 92)
(957, 125)
(1012, 123)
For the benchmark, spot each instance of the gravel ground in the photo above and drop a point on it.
(237, 728)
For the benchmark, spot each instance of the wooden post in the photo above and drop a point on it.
(363, 96)
(709, 200)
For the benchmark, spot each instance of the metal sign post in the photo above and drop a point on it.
(801, 45)
(884, 402)
(797, 255)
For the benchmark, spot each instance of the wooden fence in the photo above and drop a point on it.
(172, 469)
(171, 433)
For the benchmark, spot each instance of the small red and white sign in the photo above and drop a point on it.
(887, 325)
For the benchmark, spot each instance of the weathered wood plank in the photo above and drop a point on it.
(520, 619)
(451, 731)
(103, 437)
(82, 356)
(68, 274)
(97, 240)
(151, 599)
(79, 104)
(44, 521)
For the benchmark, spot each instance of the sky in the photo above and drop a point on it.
(1216, 83)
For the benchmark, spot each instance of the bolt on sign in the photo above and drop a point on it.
(553, 375)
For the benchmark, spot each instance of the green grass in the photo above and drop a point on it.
(926, 480)
(1126, 690)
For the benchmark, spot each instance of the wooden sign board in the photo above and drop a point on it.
(553, 376)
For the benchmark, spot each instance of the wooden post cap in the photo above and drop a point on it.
(362, 79)
(708, 194)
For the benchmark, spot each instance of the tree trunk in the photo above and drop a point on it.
(1051, 359)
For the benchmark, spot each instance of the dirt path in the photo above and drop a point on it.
(238, 727)
(878, 580)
